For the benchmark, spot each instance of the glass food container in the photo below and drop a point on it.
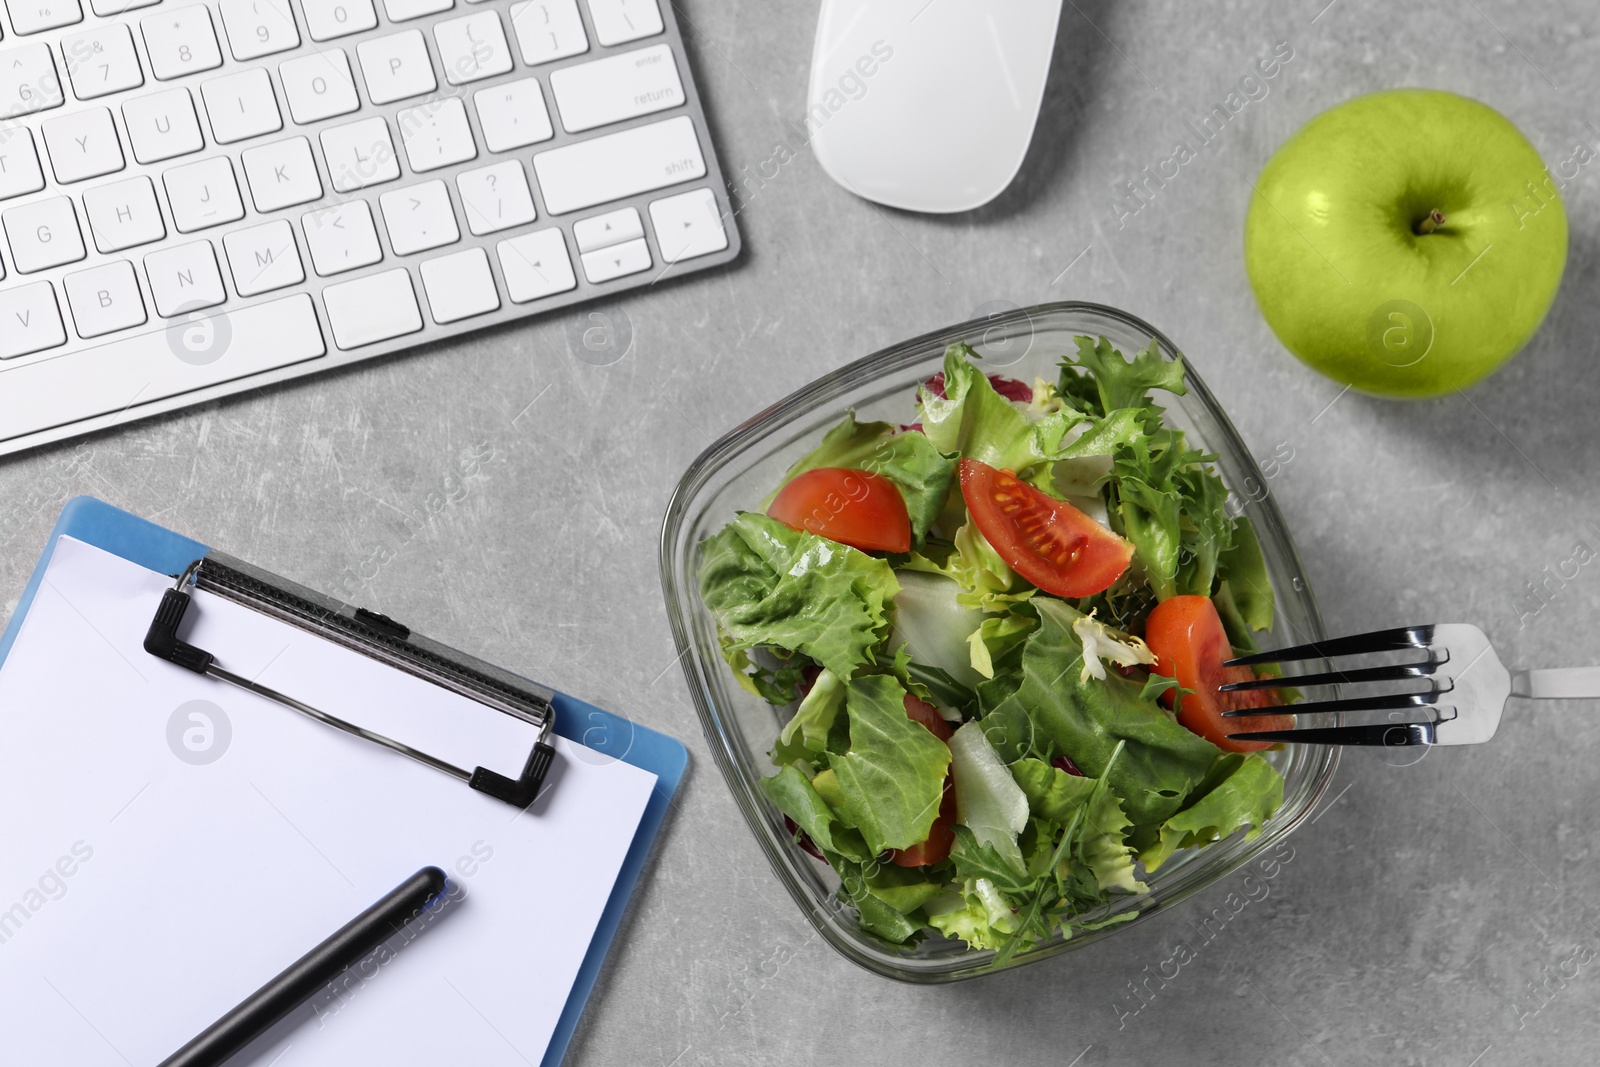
(738, 470)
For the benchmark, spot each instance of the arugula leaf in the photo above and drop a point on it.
(792, 793)
(943, 690)
(974, 860)
(893, 776)
(1119, 382)
(769, 585)
(909, 460)
(1158, 685)
(1247, 796)
(1054, 710)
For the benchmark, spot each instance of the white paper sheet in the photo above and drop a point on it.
(144, 891)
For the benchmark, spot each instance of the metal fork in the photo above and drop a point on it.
(1466, 688)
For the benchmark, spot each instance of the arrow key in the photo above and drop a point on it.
(603, 231)
(604, 264)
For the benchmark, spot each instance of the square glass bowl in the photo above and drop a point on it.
(735, 474)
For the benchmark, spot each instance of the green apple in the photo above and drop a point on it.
(1406, 243)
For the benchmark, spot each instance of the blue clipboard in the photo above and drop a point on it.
(139, 541)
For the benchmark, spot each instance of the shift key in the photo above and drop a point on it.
(603, 169)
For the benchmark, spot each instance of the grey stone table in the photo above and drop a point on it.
(506, 496)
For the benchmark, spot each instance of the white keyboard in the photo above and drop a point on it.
(202, 198)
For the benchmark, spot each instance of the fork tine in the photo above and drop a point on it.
(1393, 673)
(1386, 735)
(1382, 702)
(1378, 641)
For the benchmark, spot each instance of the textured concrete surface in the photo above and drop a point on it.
(1441, 913)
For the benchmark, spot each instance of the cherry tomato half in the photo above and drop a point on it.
(855, 508)
(1190, 644)
(1048, 541)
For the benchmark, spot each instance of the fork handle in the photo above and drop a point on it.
(1556, 682)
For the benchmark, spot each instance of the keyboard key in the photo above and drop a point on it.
(30, 321)
(36, 16)
(112, 8)
(203, 194)
(258, 27)
(536, 265)
(241, 106)
(263, 258)
(19, 164)
(616, 165)
(101, 61)
(124, 214)
(436, 134)
(396, 67)
(620, 21)
(319, 86)
(281, 174)
(548, 30)
(327, 19)
(603, 231)
(360, 154)
(341, 237)
(617, 261)
(495, 197)
(616, 88)
(372, 309)
(688, 225)
(43, 234)
(512, 115)
(419, 218)
(28, 81)
(104, 299)
(162, 125)
(459, 286)
(185, 278)
(180, 41)
(472, 48)
(401, 10)
(141, 369)
(83, 145)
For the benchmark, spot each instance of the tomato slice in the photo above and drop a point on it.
(942, 835)
(928, 715)
(1048, 541)
(1190, 644)
(855, 508)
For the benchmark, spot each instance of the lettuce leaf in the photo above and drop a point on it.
(769, 585)
(1248, 793)
(1055, 711)
(814, 728)
(892, 777)
(1119, 382)
(909, 460)
(792, 793)
(1244, 570)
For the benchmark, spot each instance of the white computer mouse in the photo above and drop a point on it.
(928, 105)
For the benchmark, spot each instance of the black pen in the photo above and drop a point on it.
(310, 973)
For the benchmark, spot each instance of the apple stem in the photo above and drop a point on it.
(1429, 222)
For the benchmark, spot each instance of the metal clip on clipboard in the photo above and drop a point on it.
(372, 635)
